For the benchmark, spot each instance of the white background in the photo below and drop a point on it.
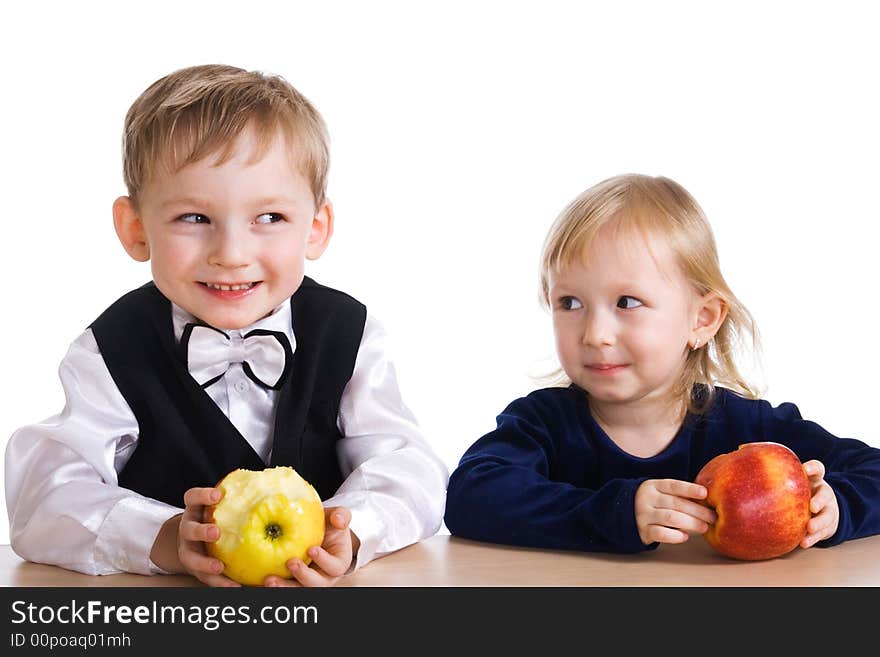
(458, 133)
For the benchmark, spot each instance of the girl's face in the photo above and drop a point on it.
(623, 319)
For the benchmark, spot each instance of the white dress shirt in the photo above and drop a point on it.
(66, 507)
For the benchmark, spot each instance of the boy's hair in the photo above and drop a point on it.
(645, 206)
(201, 110)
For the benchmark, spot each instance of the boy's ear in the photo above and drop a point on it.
(711, 313)
(130, 229)
(321, 231)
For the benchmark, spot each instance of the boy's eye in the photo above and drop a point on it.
(569, 303)
(269, 218)
(193, 218)
(628, 302)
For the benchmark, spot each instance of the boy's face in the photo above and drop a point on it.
(623, 320)
(227, 243)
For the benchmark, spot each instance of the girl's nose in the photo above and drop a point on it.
(598, 330)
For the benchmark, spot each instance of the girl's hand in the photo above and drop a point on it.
(331, 560)
(665, 512)
(192, 535)
(823, 506)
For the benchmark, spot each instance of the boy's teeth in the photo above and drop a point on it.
(226, 288)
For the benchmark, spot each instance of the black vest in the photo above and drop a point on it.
(184, 439)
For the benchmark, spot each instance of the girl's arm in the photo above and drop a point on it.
(504, 491)
(852, 468)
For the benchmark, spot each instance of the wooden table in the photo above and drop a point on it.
(447, 561)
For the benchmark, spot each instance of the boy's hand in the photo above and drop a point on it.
(192, 535)
(331, 560)
(823, 506)
(665, 512)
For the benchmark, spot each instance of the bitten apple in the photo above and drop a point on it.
(761, 495)
(266, 518)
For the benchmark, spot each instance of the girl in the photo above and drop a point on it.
(646, 329)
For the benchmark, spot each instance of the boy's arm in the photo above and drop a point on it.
(395, 485)
(64, 504)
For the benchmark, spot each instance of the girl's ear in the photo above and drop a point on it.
(321, 231)
(711, 311)
(130, 229)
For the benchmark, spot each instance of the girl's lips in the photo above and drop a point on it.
(606, 368)
(230, 295)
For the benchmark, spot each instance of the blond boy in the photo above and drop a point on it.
(230, 357)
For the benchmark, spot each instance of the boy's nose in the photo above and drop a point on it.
(229, 248)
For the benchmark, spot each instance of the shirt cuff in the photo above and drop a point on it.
(127, 534)
(365, 524)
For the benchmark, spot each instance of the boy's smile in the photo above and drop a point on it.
(231, 290)
(227, 241)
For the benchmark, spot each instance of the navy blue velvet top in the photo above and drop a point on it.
(549, 476)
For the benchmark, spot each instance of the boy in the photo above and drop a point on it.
(229, 358)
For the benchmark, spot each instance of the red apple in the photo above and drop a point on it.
(761, 495)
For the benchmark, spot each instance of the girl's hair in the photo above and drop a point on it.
(197, 111)
(660, 207)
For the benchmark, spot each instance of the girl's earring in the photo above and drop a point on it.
(696, 344)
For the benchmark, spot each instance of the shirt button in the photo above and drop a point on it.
(241, 386)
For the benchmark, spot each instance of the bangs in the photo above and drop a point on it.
(192, 138)
(635, 211)
(632, 228)
(189, 140)
(202, 112)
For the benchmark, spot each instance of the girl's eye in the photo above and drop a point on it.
(569, 303)
(193, 218)
(628, 302)
(269, 218)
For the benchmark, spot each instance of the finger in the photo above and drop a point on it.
(309, 576)
(661, 534)
(332, 565)
(677, 520)
(688, 507)
(216, 580)
(202, 496)
(811, 539)
(680, 488)
(820, 527)
(190, 530)
(338, 516)
(197, 563)
(819, 524)
(273, 581)
(821, 499)
(814, 469)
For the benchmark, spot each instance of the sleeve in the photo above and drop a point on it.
(504, 491)
(852, 468)
(64, 503)
(395, 485)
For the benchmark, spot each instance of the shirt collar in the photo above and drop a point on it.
(277, 320)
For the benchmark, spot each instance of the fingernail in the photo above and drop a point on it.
(313, 552)
(213, 533)
(215, 495)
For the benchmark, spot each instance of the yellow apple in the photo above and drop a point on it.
(266, 518)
